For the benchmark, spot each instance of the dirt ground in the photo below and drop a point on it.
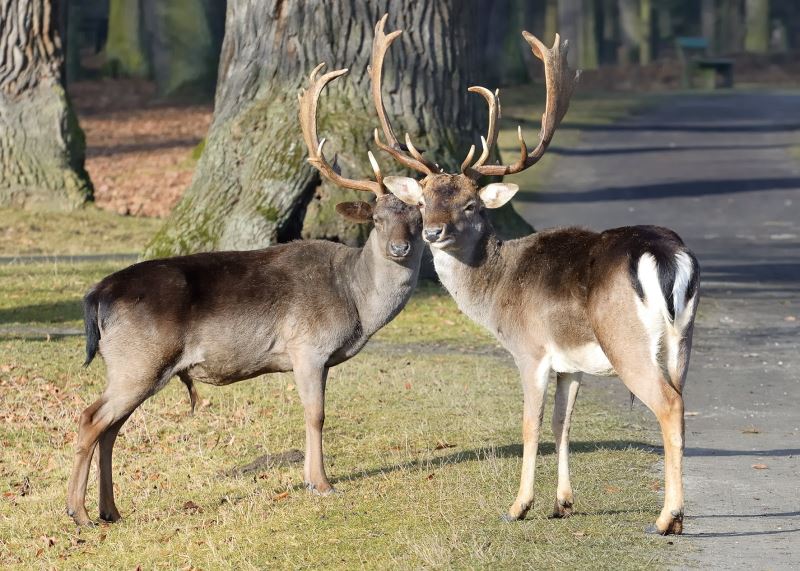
(139, 149)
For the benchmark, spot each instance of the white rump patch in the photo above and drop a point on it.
(683, 275)
(653, 311)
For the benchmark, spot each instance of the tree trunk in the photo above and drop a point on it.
(589, 58)
(252, 186)
(41, 145)
(570, 25)
(757, 35)
(630, 30)
(708, 22)
(176, 43)
(645, 37)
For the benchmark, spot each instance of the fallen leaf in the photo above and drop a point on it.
(48, 541)
(655, 486)
(192, 507)
(790, 318)
(751, 430)
(430, 476)
(25, 487)
(281, 496)
(611, 489)
(759, 466)
(579, 534)
(441, 445)
(408, 386)
(691, 413)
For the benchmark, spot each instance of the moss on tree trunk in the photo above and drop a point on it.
(252, 186)
(41, 145)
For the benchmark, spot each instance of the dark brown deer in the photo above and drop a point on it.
(620, 302)
(224, 317)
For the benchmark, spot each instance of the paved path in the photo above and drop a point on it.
(718, 170)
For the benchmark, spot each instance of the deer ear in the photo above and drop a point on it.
(406, 189)
(360, 212)
(497, 194)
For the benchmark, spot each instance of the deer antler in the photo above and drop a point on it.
(308, 121)
(380, 45)
(560, 81)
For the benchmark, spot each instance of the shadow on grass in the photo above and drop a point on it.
(478, 454)
(54, 312)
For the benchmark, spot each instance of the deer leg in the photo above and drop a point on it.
(535, 374)
(108, 508)
(114, 405)
(311, 381)
(567, 385)
(89, 428)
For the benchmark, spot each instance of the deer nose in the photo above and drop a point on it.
(399, 249)
(433, 233)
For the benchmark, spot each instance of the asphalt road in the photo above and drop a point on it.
(718, 169)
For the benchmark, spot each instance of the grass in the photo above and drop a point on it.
(88, 230)
(422, 440)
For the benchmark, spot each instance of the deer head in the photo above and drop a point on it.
(453, 205)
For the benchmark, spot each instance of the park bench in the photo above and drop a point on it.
(694, 58)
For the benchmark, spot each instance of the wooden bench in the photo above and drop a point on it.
(693, 56)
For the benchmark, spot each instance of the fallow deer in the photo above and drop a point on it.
(570, 300)
(224, 317)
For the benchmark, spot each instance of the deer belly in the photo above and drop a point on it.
(587, 358)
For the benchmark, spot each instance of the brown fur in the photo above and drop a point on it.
(223, 317)
(568, 299)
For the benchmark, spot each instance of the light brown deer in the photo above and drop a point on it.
(620, 302)
(223, 317)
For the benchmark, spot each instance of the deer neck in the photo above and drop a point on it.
(381, 287)
(470, 275)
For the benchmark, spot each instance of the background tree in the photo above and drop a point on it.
(176, 43)
(252, 185)
(41, 145)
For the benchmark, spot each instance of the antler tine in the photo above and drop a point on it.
(561, 82)
(380, 45)
(466, 164)
(493, 101)
(308, 122)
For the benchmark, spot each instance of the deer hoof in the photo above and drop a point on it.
(322, 490)
(562, 509)
(110, 516)
(80, 517)
(673, 527)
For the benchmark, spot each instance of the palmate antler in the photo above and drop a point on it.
(560, 82)
(308, 122)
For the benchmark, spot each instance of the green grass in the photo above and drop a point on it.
(422, 439)
(88, 230)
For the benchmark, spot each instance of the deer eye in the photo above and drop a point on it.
(470, 207)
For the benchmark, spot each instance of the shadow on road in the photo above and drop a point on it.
(600, 151)
(685, 188)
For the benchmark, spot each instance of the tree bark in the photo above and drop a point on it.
(41, 145)
(252, 186)
(630, 30)
(708, 22)
(589, 58)
(757, 22)
(645, 38)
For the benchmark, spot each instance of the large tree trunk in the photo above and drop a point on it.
(757, 22)
(252, 186)
(41, 145)
(176, 43)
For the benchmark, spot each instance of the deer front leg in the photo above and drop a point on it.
(311, 379)
(535, 374)
(567, 385)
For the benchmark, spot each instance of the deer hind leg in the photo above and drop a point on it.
(567, 385)
(535, 374)
(108, 508)
(645, 376)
